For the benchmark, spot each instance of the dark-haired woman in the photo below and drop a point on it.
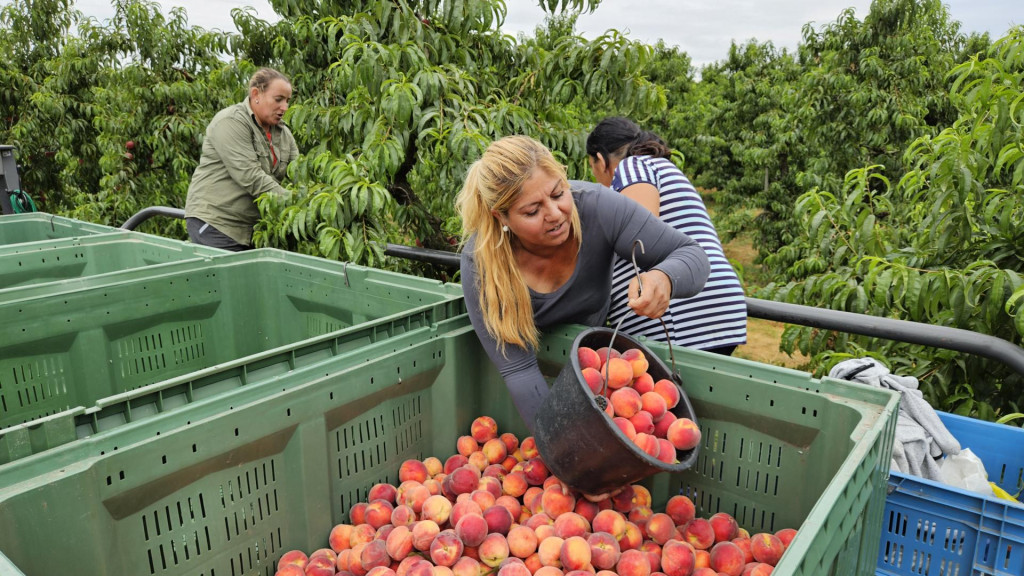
(637, 164)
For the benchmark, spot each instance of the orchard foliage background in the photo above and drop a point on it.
(879, 168)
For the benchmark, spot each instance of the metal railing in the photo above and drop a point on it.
(848, 322)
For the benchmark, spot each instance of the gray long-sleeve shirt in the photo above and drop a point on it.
(610, 224)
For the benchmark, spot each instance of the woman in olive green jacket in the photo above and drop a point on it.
(246, 153)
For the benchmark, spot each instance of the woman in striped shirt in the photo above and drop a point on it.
(636, 163)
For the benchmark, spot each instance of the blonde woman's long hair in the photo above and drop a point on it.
(493, 184)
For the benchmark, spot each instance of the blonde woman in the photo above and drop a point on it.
(537, 251)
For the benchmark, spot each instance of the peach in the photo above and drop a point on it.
(727, 558)
(594, 380)
(699, 533)
(625, 402)
(464, 479)
(681, 509)
(528, 448)
(642, 422)
(742, 533)
(683, 434)
(339, 538)
(588, 358)
(637, 360)
(446, 548)
(290, 570)
(383, 531)
(499, 519)
(319, 567)
(604, 550)
(669, 390)
(786, 535)
(654, 403)
(511, 442)
(677, 558)
(483, 428)
(454, 462)
(403, 515)
(575, 553)
(587, 509)
(643, 383)
(611, 521)
(376, 571)
(413, 469)
(758, 569)
(423, 533)
(491, 486)
(617, 372)
(703, 559)
(555, 502)
(441, 571)
(632, 539)
(463, 508)
(413, 495)
(434, 465)
(375, 553)
(652, 550)
(399, 543)
(493, 550)
(744, 544)
(510, 568)
(639, 515)
(550, 549)
(725, 527)
(532, 499)
(623, 500)
(648, 444)
(437, 508)
(641, 495)
(545, 531)
(705, 571)
(536, 471)
(626, 426)
(666, 451)
(571, 524)
(497, 471)
(546, 570)
(539, 519)
(661, 426)
(509, 503)
(296, 557)
(479, 460)
(495, 450)
(357, 513)
(605, 353)
(466, 566)
(483, 498)
(419, 567)
(522, 541)
(515, 484)
(767, 548)
(378, 513)
(343, 561)
(382, 492)
(634, 563)
(361, 534)
(661, 528)
(471, 529)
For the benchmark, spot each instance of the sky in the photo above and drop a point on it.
(701, 28)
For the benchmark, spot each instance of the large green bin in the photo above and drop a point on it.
(71, 344)
(40, 226)
(90, 255)
(233, 487)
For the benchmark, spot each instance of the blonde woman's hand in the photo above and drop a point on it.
(653, 301)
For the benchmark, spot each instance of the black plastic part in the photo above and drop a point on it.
(579, 442)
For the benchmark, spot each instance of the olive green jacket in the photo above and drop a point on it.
(235, 168)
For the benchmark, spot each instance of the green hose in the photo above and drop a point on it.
(22, 202)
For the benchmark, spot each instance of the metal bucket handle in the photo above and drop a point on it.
(668, 338)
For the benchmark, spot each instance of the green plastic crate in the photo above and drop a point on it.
(230, 490)
(71, 344)
(39, 226)
(90, 255)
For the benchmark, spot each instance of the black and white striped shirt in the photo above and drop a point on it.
(717, 316)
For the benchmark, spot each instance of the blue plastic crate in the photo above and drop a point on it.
(933, 529)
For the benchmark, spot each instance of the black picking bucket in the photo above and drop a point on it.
(579, 442)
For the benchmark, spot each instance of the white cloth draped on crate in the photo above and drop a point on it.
(921, 438)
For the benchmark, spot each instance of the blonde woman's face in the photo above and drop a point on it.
(270, 105)
(541, 216)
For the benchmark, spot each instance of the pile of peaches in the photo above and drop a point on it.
(639, 406)
(494, 509)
